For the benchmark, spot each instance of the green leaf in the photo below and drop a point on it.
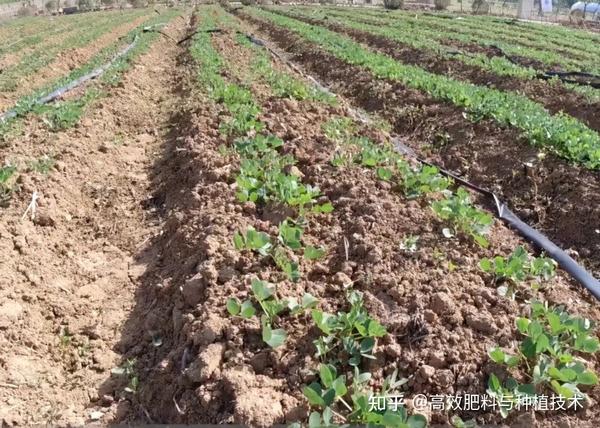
(273, 337)
(485, 265)
(542, 343)
(339, 385)
(481, 241)
(375, 329)
(366, 345)
(272, 307)
(535, 330)
(314, 420)
(565, 390)
(313, 253)
(247, 310)
(494, 383)
(327, 374)
(233, 306)
(329, 396)
(325, 208)
(391, 419)
(262, 290)
(554, 322)
(327, 416)
(497, 355)
(290, 235)
(416, 421)
(309, 301)
(384, 174)
(512, 360)
(526, 389)
(528, 348)
(313, 393)
(522, 325)
(323, 320)
(591, 345)
(588, 377)
(238, 241)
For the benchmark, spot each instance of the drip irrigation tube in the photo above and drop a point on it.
(575, 77)
(57, 93)
(502, 211)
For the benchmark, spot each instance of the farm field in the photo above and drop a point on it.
(240, 220)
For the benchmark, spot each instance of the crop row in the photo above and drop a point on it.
(261, 179)
(21, 33)
(559, 133)
(64, 114)
(454, 30)
(583, 43)
(263, 173)
(46, 53)
(423, 40)
(438, 34)
(38, 33)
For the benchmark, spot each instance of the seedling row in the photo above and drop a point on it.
(280, 259)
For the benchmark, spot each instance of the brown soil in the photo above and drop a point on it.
(131, 251)
(65, 62)
(212, 368)
(561, 199)
(552, 95)
(68, 277)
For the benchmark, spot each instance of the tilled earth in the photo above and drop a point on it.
(214, 369)
(130, 258)
(67, 278)
(559, 198)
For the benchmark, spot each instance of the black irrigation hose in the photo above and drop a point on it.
(189, 36)
(579, 77)
(533, 235)
(502, 210)
(74, 83)
(575, 77)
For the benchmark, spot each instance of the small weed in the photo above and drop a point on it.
(128, 369)
(65, 338)
(409, 244)
(7, 184)
(42, 165)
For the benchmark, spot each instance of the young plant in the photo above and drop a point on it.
(314, 253)
(355, 331)
(463, 217)
(270, 306)
(290, 234)
(420, 181)
(552, 339)
(260, 242)
(253, 241)
(339, 129)
(510, 271)
(355, 399)
(7, 187)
